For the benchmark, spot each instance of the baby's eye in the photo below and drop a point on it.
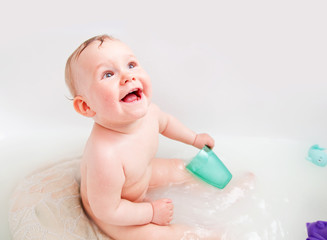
(108, 74)
(131, 65)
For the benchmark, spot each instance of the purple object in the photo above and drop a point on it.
(317, 230)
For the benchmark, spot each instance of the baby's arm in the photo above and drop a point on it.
(174, 129)
(105, 180)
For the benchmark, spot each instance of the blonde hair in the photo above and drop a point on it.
(70, 81)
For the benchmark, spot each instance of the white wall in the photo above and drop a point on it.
(254, 68)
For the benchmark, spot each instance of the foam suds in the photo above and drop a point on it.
(236, 213)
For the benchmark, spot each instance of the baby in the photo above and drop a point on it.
(119, 165)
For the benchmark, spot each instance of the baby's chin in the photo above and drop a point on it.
(138, 113)
(124, 118)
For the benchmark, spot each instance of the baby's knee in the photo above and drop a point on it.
(178, 164)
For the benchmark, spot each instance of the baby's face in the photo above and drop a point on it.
(112, 83)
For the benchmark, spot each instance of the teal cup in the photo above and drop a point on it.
(209, 168)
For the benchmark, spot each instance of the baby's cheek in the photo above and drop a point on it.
(148, 92)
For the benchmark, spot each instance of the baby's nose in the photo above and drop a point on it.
(126, 78)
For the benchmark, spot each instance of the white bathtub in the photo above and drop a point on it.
(252, 74)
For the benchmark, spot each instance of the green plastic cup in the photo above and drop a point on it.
(209, 168)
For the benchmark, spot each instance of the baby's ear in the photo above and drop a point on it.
(82, 108)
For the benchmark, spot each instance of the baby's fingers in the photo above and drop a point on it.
(203, 139)
(166, 200)
(162, 211)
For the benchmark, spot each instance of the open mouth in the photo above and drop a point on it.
(132, 96)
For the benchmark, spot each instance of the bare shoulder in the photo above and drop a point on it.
(153, 108)
(161, 117)
(155, 111)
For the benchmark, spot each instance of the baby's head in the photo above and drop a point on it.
(107, 81)
(70, 81)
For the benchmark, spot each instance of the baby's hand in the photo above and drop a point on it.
(162, 211)
(203, 139)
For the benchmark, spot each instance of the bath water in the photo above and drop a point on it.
(287, 192)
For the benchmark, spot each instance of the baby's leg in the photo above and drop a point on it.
(153, 231)
(166, 171)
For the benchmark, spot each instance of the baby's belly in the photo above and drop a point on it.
(135, 190)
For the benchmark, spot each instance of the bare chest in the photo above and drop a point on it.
(138, 154)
